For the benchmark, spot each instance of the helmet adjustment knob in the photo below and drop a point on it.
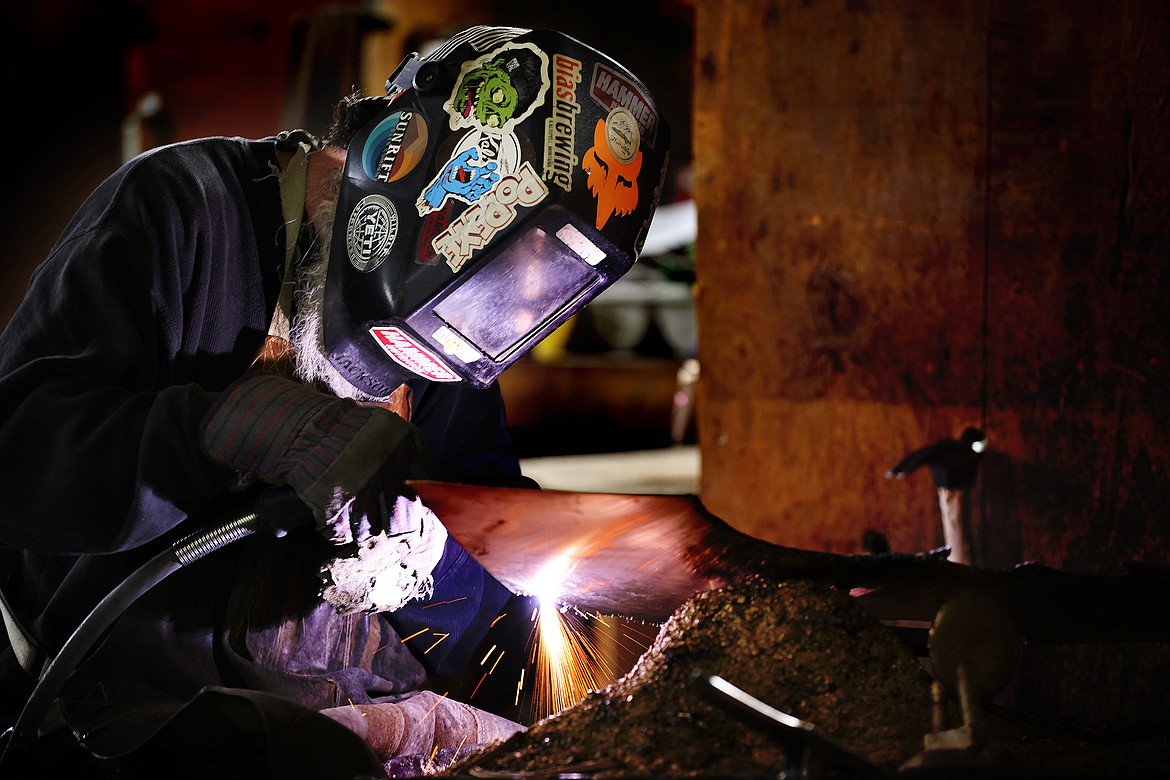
(430, 78)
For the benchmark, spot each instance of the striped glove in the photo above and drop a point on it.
(347, 462)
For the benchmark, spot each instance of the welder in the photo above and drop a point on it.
(226, 316)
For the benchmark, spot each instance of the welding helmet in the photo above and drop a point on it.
(510, 178)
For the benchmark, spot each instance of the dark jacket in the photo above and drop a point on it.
(155, 298)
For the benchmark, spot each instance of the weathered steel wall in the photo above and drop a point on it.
(915, 217)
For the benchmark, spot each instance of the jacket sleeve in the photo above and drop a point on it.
(96, 431)
(467, 428)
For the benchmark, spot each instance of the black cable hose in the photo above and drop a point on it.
(277, 511)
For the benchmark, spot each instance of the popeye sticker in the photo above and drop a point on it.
(500, 89)
(373, 226)
(477, 163)
(395, 146)
(613, 164)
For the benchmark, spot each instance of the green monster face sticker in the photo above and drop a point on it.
(499, 90)
(487, 92)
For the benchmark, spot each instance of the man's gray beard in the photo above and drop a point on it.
(307, 333)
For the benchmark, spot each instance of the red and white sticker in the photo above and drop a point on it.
(408, 353)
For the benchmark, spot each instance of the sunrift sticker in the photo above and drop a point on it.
(475, 227)
(612, 172)
(479, 160)
(373, 226)
(610, 89)
(395, 146)
(411, 355)
(500, 89)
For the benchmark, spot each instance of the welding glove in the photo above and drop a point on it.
(347, 462)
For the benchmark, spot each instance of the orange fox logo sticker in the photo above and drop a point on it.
(612, 165)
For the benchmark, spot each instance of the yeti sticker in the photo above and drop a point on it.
(373, 226)
(499, 90)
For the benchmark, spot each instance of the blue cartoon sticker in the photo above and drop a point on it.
(477, 163)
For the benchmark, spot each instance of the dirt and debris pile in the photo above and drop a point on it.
(804, 649)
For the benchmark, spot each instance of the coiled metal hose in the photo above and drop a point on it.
(186, 551)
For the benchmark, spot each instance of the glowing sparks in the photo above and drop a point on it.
(565, 656)
(441, 637)
(423, 717)
(567, 652)
(647, 563)
(458, 748)
(416, 633)
(567, 660)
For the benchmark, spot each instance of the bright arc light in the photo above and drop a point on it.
(566, 662)
(546, 585)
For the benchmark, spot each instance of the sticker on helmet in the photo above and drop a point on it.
(612, 180)
(479, 160)
(411, 355)
(560, 128)
(395, 146)
(432, 225)
(478, 225)
(453, 344)
(621, 134)
(373, 226)
(500, 89)
(610, 89)
(480, 38)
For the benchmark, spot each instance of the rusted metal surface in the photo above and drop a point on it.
(1090, 645)
(642, 556)
(837, 151)
(915, 217)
